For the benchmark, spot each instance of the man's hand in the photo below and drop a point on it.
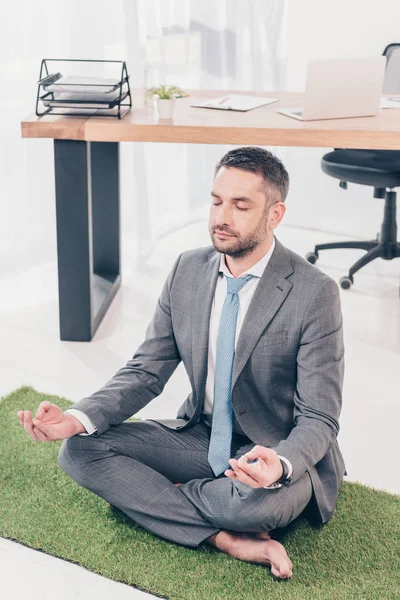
(50, 423)
(266, 471)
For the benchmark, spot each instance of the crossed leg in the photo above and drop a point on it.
(135, 465)
(258, 548)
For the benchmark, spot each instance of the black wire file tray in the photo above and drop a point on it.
(77, 87)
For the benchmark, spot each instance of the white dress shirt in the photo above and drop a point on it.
(245, 296)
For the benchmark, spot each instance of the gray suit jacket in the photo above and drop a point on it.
(288, 367)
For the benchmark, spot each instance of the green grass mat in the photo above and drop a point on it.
(355, 556)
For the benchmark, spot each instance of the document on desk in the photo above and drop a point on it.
(236, 102)
(392, 102)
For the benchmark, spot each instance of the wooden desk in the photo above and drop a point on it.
(86, 153)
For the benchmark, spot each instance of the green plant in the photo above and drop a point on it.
(165, 92)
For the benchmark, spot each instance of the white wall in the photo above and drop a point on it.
(341, 29)
(320, 29)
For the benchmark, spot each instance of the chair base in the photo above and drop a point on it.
(374, 250)
(385, 246)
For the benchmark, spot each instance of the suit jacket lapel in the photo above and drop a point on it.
(270, 293)
(206, 280)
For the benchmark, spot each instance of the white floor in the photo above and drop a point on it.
(32, 354)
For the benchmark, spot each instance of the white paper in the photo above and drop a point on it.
(392, 102)
(86, 98)
(82, 85)
(236, 102)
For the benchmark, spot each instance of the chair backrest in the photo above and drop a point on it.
(391, 83)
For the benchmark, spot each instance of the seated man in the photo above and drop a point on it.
(259, 330)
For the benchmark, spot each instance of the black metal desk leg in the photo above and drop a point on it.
(88, 234)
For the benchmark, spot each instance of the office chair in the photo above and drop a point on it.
(378, 168)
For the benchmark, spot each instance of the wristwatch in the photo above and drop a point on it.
(284, 479)
(285, 473)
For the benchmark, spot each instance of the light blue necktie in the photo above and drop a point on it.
(219, 451)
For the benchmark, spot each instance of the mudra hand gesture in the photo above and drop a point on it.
(266, 471)
(50, 423)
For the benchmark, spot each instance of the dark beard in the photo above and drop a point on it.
(241, 252)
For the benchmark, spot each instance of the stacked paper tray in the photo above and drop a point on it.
(70, 94)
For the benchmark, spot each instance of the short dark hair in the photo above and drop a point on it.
(262, 162)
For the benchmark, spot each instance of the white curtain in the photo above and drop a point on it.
(229, 44)
(212, 44)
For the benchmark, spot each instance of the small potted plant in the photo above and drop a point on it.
(166, 95)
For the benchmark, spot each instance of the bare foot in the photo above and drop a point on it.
(257, 548)
(177, 484)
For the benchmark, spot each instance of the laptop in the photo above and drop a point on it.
(341, 88)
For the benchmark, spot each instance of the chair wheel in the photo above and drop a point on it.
(346, 283)
(312, 257)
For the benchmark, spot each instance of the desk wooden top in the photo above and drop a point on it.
(262, 126)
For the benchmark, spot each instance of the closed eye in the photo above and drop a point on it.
(242, 209)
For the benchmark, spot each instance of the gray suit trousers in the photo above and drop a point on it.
(134, 466)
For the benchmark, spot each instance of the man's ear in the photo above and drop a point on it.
(276, 214)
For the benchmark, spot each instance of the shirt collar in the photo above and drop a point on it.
(257, 270)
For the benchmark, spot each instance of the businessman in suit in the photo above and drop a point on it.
(259, 331)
